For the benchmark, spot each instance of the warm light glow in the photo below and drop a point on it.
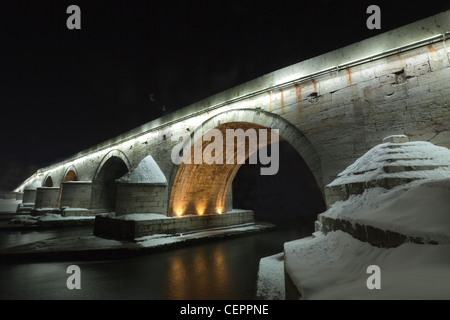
(219, 211)
(200, 212)
(179, 213)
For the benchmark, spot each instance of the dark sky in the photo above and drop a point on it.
(64, 90)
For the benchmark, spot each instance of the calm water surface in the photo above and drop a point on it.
(225, 269)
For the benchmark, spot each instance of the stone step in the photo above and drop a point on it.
(370, 234)
(400, 168)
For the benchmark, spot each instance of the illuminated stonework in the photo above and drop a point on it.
(203, 188)
(331, 109)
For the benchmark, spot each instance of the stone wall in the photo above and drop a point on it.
(47, 197)
(76, 194)
(332, 117)
(130, 229)
(29, 196)
(141, 198)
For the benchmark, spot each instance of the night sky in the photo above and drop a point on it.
(65, 90)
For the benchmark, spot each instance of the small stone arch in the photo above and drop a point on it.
(113, 153)
(48, 181)
(70, 174)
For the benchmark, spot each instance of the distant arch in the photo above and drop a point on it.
(48, 181)
(70, 174)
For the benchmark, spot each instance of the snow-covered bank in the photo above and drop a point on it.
(46, 220)
(418, 209)
(394, 195)
(97, 248)
(334, 266)
(270, 284)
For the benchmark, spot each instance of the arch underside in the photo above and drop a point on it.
(70, 175)
(203, 188)
(104, 188)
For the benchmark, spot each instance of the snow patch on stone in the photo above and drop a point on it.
(147, 171)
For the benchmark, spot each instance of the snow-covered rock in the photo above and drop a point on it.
(388, 165)
(333, 264)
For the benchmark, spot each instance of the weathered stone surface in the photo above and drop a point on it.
(76, 194)
(132, 229)
(47, 197)
(367, 233)
(141, 198)
(333, 117)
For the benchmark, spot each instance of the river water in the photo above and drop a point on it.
(221, 269)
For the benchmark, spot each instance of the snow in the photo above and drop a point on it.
(147, 171)
(270, 284)
(9, 205)
(165, 239)
(335, 267)
(398, 136)
(75, 209)
(142, 216)
(418, 209)
(91, 242)
(415, 154)
(28, 220)
(53, 217)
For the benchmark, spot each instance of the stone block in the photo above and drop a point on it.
(141, 198)
(117, 228)
(76, 194)
(47, 197)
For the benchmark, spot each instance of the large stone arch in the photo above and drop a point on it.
(201, 188)
(112, 166)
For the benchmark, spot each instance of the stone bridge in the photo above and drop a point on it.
(331, 109)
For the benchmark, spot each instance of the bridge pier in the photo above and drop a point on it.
(76, 194)
(47, 197)
(133, 228)
(29, 196)
(141, 198)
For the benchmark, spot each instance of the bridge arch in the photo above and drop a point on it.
(48, 181)
(71, 174)
(113, 166)
(202, 188)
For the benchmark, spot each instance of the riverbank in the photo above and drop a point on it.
(96, 248)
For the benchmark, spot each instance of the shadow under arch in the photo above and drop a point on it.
(203, 188)
(113, 166)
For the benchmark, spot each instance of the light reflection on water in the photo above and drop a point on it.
(221, 269)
